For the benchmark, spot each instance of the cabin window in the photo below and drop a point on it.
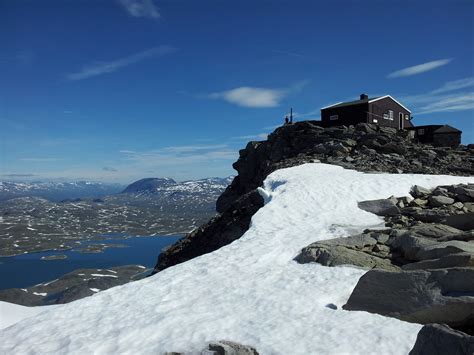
(385, 115)
(390, 115)
(333, 117)
(374, 120)
(407, 117)
(421, 131)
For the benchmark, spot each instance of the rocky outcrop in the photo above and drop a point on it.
(365, 147)
(423, 262)
(409, 243)
(367, 250)
(73, 286)
(434, 339)
(421, 296)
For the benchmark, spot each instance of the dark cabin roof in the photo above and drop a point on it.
(357, 102)
(437, 128)
(447, 129)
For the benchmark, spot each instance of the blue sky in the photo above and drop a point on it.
(121, 90)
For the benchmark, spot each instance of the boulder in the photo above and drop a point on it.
(439, 339)
(440, 200)
(424, 296)
(225, 347)
(419, 191)
(363, 250)
(383, 207)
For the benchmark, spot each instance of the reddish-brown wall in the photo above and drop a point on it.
(379, 107)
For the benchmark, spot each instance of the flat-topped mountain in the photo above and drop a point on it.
(148, 185)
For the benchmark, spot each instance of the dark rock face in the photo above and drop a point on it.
(365, 147)
(219, 231)
(434, 339)
(421, 296)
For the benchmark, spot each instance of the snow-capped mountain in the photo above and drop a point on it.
(56, 191)
(167, 186)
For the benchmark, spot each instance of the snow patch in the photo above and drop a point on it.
(250, 291)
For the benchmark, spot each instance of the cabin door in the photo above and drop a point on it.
(400, 120)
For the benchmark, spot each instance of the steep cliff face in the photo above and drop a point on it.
(364, 147)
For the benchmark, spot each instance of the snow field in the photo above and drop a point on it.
(250, 291)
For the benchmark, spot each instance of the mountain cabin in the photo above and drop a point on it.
(382, 111)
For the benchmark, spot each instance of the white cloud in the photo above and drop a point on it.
(251, 97)
(257, 97)
(420, 68)
(100, 68)
(141, 8)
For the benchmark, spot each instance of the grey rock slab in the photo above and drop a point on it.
(225, 347)
(446, 261)
(439, 339)
(383, 207)
(439, 201)
(423, 296)
(419, 191)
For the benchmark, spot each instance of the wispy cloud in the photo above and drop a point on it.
(141, 8)
(260, 136)
(256, 97)
(109, 169)
(40, 160)
(291, 54)
(181, 155)
(420, 68)
(99, 68)
(54, 142)
(455, 85)
(448, 98)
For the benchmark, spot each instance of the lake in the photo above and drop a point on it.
(28, 269)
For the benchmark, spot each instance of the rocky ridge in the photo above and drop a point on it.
(73, 286)
(365, 147)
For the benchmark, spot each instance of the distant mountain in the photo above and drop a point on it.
(207, 189)
(153, 206)
(57, 191)
(148, 185)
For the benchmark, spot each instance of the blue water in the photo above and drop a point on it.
(28, 269)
